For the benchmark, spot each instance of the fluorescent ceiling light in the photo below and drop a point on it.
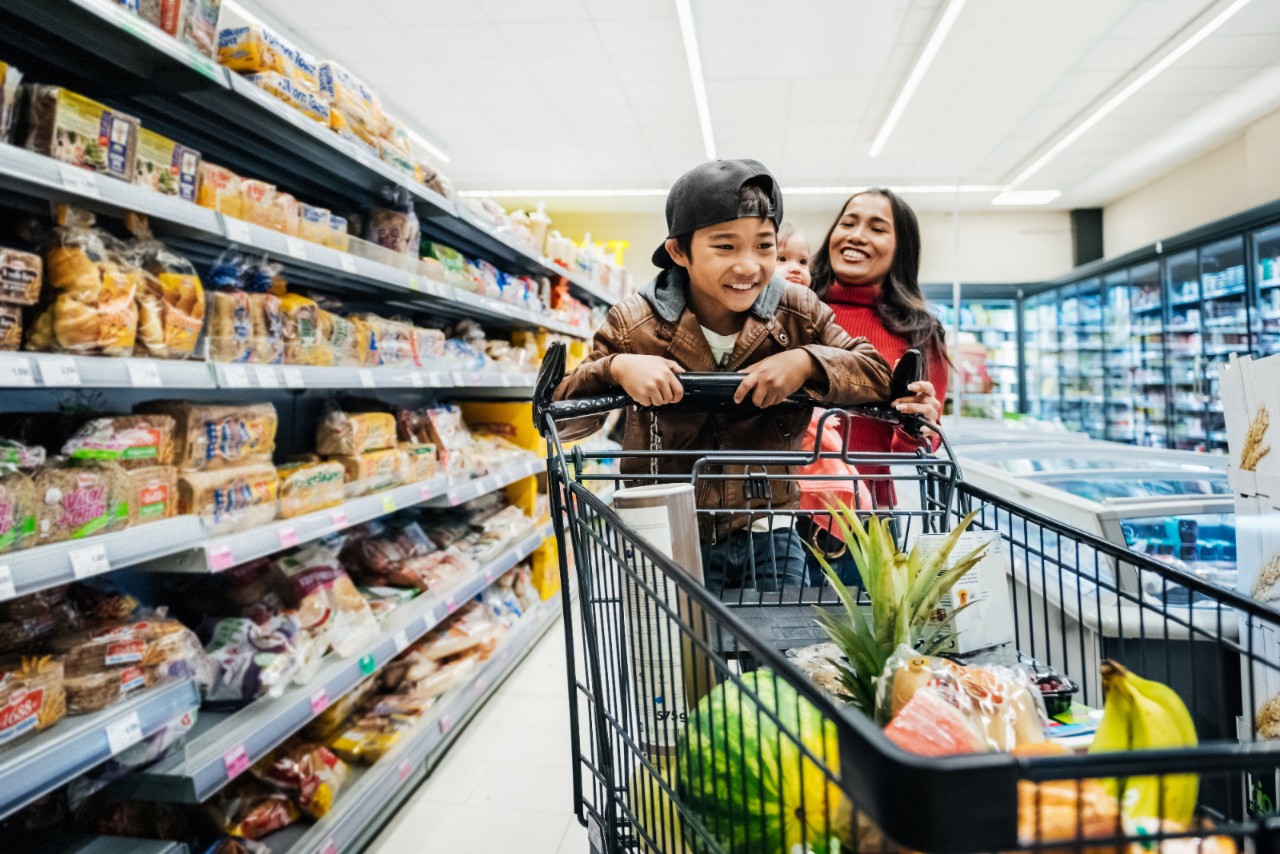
(690, 38)
(923, 62)
(1130, 90)
(433, 150)
(786, 191)
(1026, 197)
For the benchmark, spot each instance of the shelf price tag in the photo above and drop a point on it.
(424, 492)
(319, 701)
(267, 377)
(144, 373)
(367, 379)
(15, 371)
(446, 724)
(124, 733)
(401, 641)
(388, 504)
(481, 684)
(329, 847)
(296, 247)
(293, 377)
(234, 376)
(348, 262)
(7, 588)
(403, 769)
(340, 519)
(220, 558)
(59, 371)
(89, 561)
(82, 182)
(288, 537)
(489, 575)
(433, 380)
(236, 761)
(415, 379)
(451, 604)
(237, 231)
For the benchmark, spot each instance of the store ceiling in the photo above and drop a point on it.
(596, 94)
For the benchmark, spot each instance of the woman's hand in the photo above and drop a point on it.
(648, 380)
(771, 381)
(923, 402)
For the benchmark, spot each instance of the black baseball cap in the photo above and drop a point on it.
(708, 194)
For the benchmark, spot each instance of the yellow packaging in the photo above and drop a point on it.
(350, 433)
(307, 487)
(166, 166)
(77, 130)
(230, 499)
(286, 214)
(372, 472)
(293, 94)
(220, 190)
(421, 462)
(338, 237)
(302, 343)
(313, 223)
(257, 200)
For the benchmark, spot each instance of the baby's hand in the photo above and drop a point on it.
(771, 381)
(649, 380)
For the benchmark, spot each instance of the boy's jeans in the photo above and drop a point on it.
(766, 561)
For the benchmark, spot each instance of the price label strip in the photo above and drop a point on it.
(236, 230)
(293, 378)
(348, 263)
(267, 377)
(319, 701)
(7, 588)
(82, 182)
(234, 376)
(89, 561)
(16, 372)
(236, 761)
(220, 558)
(296, 248)
(59, 371)
(144, 373)
(124, 733)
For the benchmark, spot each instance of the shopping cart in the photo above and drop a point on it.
(694, 732)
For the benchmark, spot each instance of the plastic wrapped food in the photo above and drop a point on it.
(27, 620)
(420, 461)
(97, 691)
(340, 340)
(75, 501)
(200, 25)
(220, 190)
(249, 809)
(268, 329)
(253, 659)
(209, 436)
(76, 130)
(407, 669)
(258, 202)
(32, 697)
(331, 719)
(472, 627)
(345, 92)
(161, 743)
(230, 337)
(133, 441)
(10, 86)
(395, 341)
(307, 487)
(10, 327)
(230, 499)
(247, 46)
(165, 14)
(384, 601)
(303, 344)
(451, 436)
(166, 166)
(20, 455)
(286, 214)
(313, 223)
(21, 277)
(149, 641)
(351, 433)
(295, 95)
(338, 238)
(171, 302)
(370, 737)
(396, 230)
(366, 343)
(372, 472)
(102, 605)
(326, 599)
(311, 773)
(428, 346)
(18, 502)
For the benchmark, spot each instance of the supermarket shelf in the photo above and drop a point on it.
(223, 552)
(223, 746)
(74, 745)
(373, 793)
(55, 842)
(39, 568)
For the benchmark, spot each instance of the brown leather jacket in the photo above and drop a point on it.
(657, 322)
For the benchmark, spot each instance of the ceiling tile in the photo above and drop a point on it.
(613, 10)
(426, 12)
(459, 41)
(569, 38)
(551, 68)
(646, 35)
(540, 10)
(651, 68)
(352, 46)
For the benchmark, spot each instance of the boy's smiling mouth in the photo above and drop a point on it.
(741, 286)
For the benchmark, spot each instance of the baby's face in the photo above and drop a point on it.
(793, 260)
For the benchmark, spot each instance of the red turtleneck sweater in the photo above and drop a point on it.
(854, 307)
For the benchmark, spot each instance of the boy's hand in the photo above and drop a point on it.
(772, 380)
(649, 380)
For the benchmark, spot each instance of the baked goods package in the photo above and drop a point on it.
(370, 737)
(219, 190)
(32, 697)
(80, 131)
(133, 441)
(396, 227)
(338, 238)
(153, 494)
(166, 166)
(453, 439)
(17, 509)
(325, 599)
(79, 500)
(18, 455)
(257, 202)
(339, 340)
(396, 346)
(310, 773)
(428, 346)
(346, 93)
(251, 658)
(313, 223)
(287, 213)
(306, 487)
(21, 277)
(97, 691)
(372, 472)
(388, 553)
(350, 433)
(421, 462)
(10, 87)
(28, 620)
(331, 719)
(248, 809)
(212, 436)
(200, 25)
(165, 14)
(230, 499)
(301, 332)
(171, 302)
(10, 327)
(292, 93)
(471, 628)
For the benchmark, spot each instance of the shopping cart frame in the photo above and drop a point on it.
(972, 799)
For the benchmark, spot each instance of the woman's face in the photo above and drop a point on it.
(793, 260)
(863, 243)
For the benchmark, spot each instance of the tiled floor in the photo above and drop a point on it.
(505, 785)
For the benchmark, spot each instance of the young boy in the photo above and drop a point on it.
(717, 306)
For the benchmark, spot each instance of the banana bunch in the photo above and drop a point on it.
(1140, 714)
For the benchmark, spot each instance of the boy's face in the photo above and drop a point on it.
(729, 263)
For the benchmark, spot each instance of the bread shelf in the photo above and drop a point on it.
(74, 745)
(371, 794)
(223, 746)
(55, 842)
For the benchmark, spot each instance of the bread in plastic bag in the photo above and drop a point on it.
(171, 302)
(230, 499)
(249, 809)
(252, 659)
(306, 487)
(132, 441)
(396, 228)
(18, 501)
(373, 471)
(220, 190)
(328, 722)
(370, 737)
(310, 773)
(325, 598)
(27, 620)
(351, 433)
(212, 436)
(76, 501)
(32, 697)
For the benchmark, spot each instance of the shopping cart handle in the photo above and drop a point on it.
(702, 392)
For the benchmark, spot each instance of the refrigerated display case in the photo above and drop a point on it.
(985, 355)
(1083, 392)
(1186, 351)
(1134, 360)
(1042, 356)
(1225, 314)
(1266, 317)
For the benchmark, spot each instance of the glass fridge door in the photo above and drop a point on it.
(1266, 251)
(1122, 355)
(1149, 383)
(1043, 391)
(987, 358)
(1225, 315)
(1082, 345)
(1186, 351)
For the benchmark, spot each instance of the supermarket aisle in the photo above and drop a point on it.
(505, 785)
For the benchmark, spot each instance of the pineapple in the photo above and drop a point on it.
(904, 590)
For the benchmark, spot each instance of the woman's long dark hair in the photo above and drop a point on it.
(901, 308)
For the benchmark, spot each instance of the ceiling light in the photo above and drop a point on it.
(690, 37)
(1026, 197)
(1130, 90)
(433, 150)
(923, 62)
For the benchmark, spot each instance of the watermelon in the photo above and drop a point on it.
(745, 780)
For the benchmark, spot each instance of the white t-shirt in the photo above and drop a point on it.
(721, 345)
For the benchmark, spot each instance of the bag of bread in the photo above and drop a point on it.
(96, 691)
(32, 697)
(325, 599)
(153, 494)
(210, 436)
(200, 25)
(338, 238)
(395, 227)
(307, 487)
(230, 499)
(171, 301)
(372, 472)
(420, 461)
(340, 339)
(313, 223)
(308, 772)
(268, 329)
(26, 620)
(230, 334)
(350, 433)
(77, 130)
(133, 441)
(366, 343)
(79, 500)
(252, 659)
(428, 346)
(257, 202)
(21, 277)
(17, 509)
(249, 810)
(220, 190)
(10, 86)
(287, 213)
(301, 333)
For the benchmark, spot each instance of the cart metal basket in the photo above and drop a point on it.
(694, 732)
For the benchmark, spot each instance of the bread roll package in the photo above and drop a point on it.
(80, 131)
(292, 93)
(338, 237)
(373, 471)
(306, 487)
(74, 501)
(32, 697)
(258, 202)
(220, 190)
(210, 436)
(171, 303)
(133, 441)
(166, 166)
(351, 433)
(230, 499)
(21, 277)
(153, 494)
(313, 223)
(10, 327)
(421, 462)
